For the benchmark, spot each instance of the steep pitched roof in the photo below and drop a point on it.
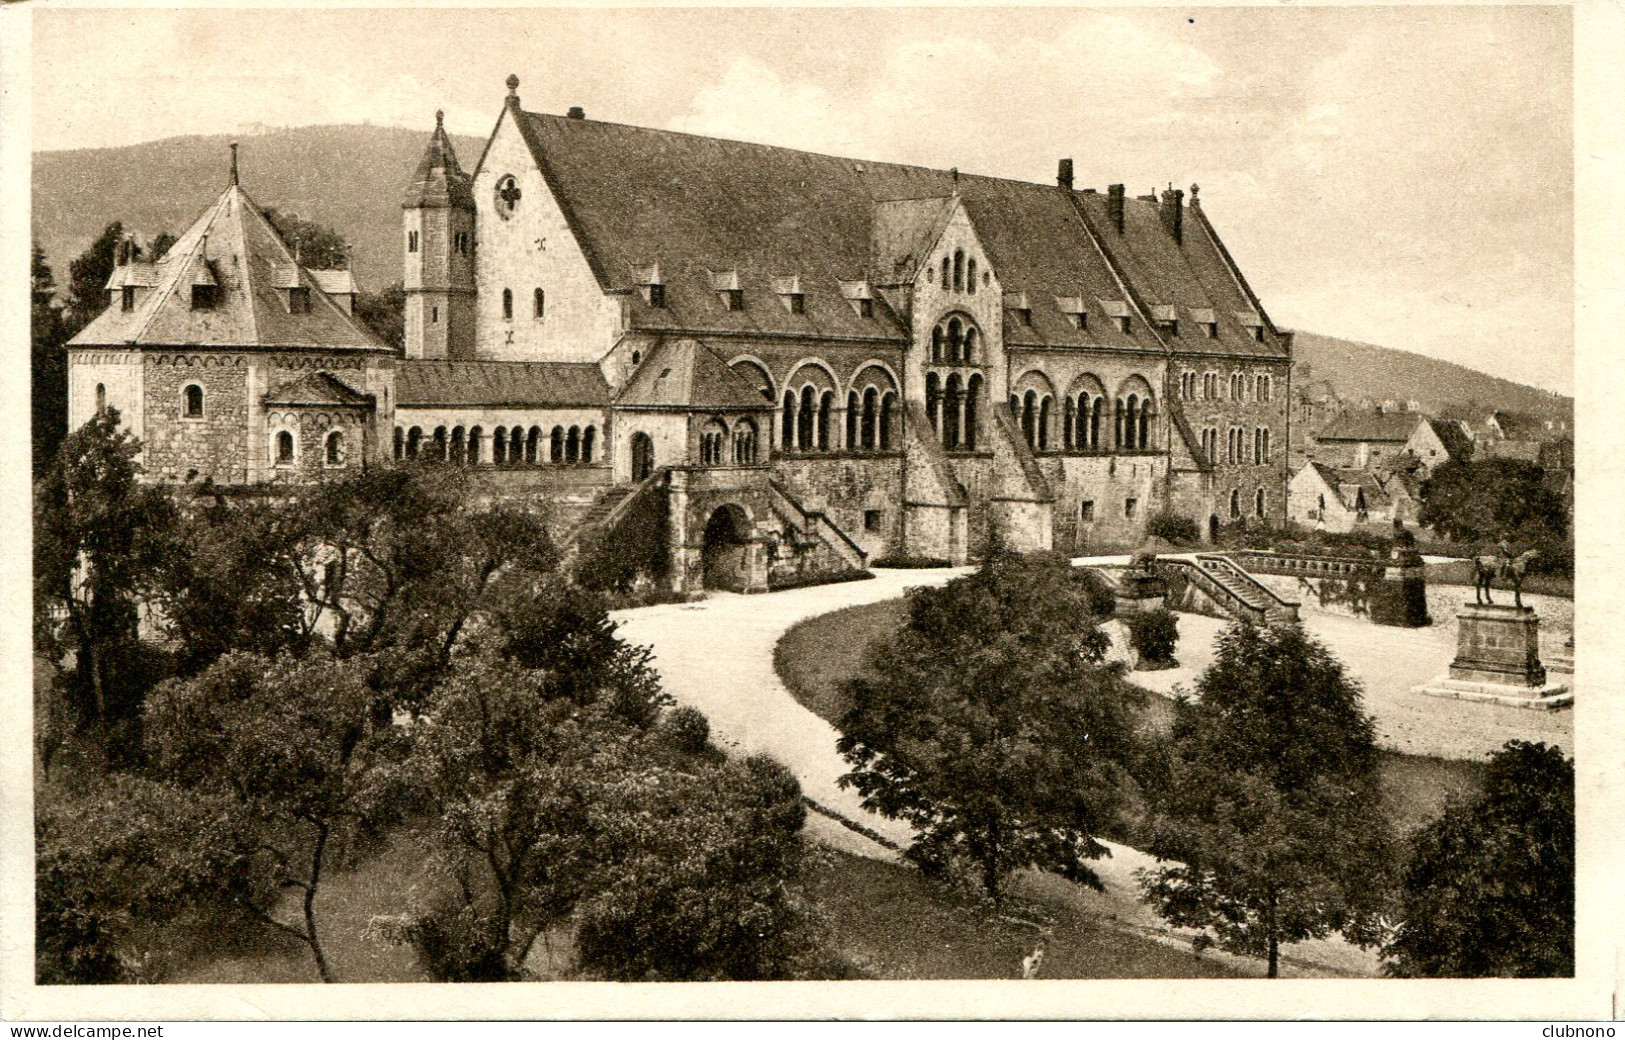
(696, 205)
(686, 373)
(1452, 433)
(234, 248)
(500, 384)
(317, 388)
(1392, 426)
(439, 181)
(905, 230)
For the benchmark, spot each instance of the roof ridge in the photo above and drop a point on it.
(953, 170)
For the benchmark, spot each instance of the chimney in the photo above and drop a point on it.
(1063, 175)
(234, 163)
(1173, 213)
(513, 91)
(1114, 206)
(577, 112)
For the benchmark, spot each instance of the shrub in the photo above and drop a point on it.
(1099, 596)
(910, 562)
(1154, 635)
(687, 729)
(1181, 530)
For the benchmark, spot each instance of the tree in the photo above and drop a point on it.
(1269, 801)
(236, 581)
(159, 245)
(117, 864)
(100, 538)
(317, 246)
(566, 631)
(1493, 498)
(993, 725)
(1489, 887)
(1154, 635)
(87, 278)
(673, 864)
(384, 312)
(516, 774)
(298, 750)
(48, 365)
(702, 883)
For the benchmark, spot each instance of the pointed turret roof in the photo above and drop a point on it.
(235, 250)
(439, 182)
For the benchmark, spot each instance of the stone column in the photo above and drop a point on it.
(678, 552)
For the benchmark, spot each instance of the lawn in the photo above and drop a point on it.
(878, 920)
(816, 657)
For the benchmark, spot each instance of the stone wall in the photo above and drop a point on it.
(1107, 483)
(119, 372)
(534, 249)
(176, 449)
(1221, 412)
(847, 488)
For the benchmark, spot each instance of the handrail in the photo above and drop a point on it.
(821, 519)
(1241, 572)
(619, 510)
(1218, 590)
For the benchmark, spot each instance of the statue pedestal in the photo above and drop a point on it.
(1141, 592)
(1498, 660)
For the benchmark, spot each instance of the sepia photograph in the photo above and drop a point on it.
(834, 495)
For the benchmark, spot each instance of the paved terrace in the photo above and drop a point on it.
(717, 655)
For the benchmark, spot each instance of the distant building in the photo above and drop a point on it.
(1385, 440)
(1328, 498)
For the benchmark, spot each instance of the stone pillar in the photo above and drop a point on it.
(682, 559)
(755, 567)
(1141, 592)
(1401, 597)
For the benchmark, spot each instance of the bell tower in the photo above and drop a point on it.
(438, 223)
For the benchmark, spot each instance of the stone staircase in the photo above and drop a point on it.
(1233, 590)
(602, 515)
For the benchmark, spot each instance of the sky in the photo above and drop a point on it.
(1402, 176)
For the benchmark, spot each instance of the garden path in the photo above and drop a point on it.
(717, 655)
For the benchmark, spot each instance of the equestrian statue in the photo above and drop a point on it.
(1501, 564)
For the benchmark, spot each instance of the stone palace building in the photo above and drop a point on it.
(793, 363)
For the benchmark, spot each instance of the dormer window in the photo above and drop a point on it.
(298, 300)
(1018, 307)
(651, 284)
(1118, 311)
(1166, 317)
(203, 297)
(127, 298)
(859, 294)
(1073, 308)
(790, 294)
(1253, 323)
(726, 285)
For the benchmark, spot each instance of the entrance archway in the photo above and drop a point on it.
(1213, 527)
(725, 552)
(643, 456)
